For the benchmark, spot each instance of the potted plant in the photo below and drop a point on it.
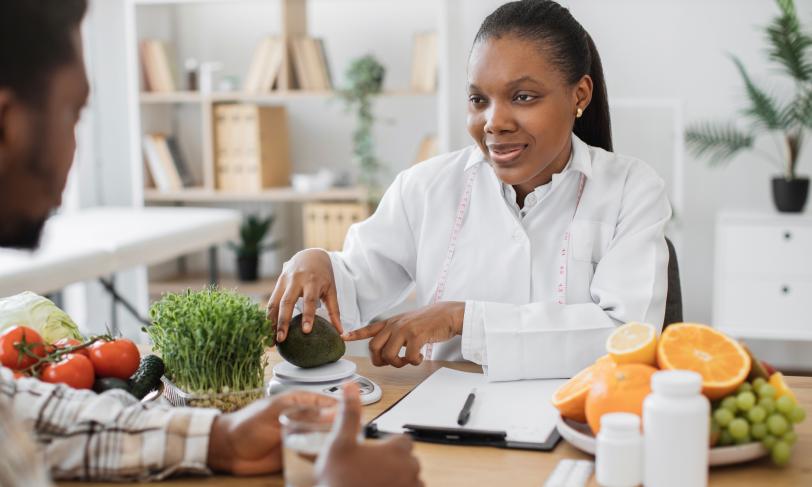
(213, 343)
(252, 233)
(365, 78)
(786, 120)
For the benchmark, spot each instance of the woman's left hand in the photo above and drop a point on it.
(430, 324)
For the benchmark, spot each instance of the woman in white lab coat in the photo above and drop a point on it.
(527, 248)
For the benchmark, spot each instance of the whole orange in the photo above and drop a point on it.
(618, 389)
(570, 397)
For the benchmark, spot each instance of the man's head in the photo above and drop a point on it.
(43, 88)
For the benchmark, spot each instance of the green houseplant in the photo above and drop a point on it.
(213, 343)
(252, 234)
(787, 120)
(364, 80)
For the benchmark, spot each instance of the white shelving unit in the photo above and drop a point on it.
(319, 129)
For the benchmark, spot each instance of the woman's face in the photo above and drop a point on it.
(521, 110)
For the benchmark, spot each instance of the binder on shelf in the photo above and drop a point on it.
(157, 66)
(424, 62)
(251, 147)
(326, 224)
(428, 148)
(179, 161)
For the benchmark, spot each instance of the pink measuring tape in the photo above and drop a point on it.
(462, 208)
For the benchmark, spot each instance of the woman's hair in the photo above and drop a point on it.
(570, 49)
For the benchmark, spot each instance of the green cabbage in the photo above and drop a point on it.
(39, 313)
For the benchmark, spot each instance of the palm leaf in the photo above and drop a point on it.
(802, 109)
(718, 142)
(788, 44)
(763, 108)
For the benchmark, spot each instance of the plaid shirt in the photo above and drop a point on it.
(88, 436)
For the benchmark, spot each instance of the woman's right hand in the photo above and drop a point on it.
(308, 275)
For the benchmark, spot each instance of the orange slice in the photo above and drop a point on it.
(570, 397)
(633, 343)
(721, 361)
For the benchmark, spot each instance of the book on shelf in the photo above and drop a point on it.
(310, 65)
(161, 165)
(424, 62)
(266, 66)
(186, 177)
(251, 147)
(157, 66)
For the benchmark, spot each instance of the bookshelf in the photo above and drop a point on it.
(319, 134)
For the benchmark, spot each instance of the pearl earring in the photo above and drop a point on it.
(579, 112)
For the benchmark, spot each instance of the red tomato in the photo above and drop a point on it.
(118, 358)
(74, 370)
(11, 357)
(71, 342)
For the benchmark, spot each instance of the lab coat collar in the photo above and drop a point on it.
(580, 160)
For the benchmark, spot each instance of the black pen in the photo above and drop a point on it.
(465, 412)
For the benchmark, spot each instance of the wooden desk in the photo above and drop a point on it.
(446, 466)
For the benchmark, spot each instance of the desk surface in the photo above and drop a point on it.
(444, 465)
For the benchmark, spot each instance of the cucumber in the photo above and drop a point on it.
(109, 383)
(147, 377)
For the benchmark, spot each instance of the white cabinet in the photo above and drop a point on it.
(763, 278)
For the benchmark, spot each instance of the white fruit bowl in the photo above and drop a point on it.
(580, 436)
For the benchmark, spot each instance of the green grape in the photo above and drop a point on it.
(790, 437)
(724, 438)
(768, 404)
(797, 415)
(746, 400)
(767, 390)
(769, 441)
(780, 453)
(784, 405)
(739, 428)
(744, 439)
(758, 431)
(777, 424)
(758, 383)
(723, 417)
(757, 415)
(730, 404)
(745, 387)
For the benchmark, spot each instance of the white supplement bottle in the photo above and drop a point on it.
(676, 428)
(619, 451)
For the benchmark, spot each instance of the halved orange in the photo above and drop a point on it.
(633, 343)
(570, 397)
(720, 360)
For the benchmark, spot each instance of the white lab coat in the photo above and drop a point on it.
(504, 267)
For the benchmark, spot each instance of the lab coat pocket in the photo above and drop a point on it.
(585, 241)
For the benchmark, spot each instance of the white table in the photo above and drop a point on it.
(99, 242)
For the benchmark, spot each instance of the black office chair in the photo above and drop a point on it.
(673, 297)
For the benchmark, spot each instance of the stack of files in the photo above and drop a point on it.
(310, 64)
(157, 68)
(515, 414)
(167, 168)
(266, 66)
(251, 147)
(424, 62)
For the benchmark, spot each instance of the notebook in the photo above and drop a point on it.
(519, 410)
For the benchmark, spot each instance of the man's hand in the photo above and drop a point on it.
(430, 324)
(344, 462)
(249, 441)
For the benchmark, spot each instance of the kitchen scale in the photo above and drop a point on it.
(326, 379)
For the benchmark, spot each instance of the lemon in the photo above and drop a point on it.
(781, 387)
(633, 343)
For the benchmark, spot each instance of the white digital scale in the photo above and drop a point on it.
(326, 379)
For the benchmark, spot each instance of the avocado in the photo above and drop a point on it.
(321, 346)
